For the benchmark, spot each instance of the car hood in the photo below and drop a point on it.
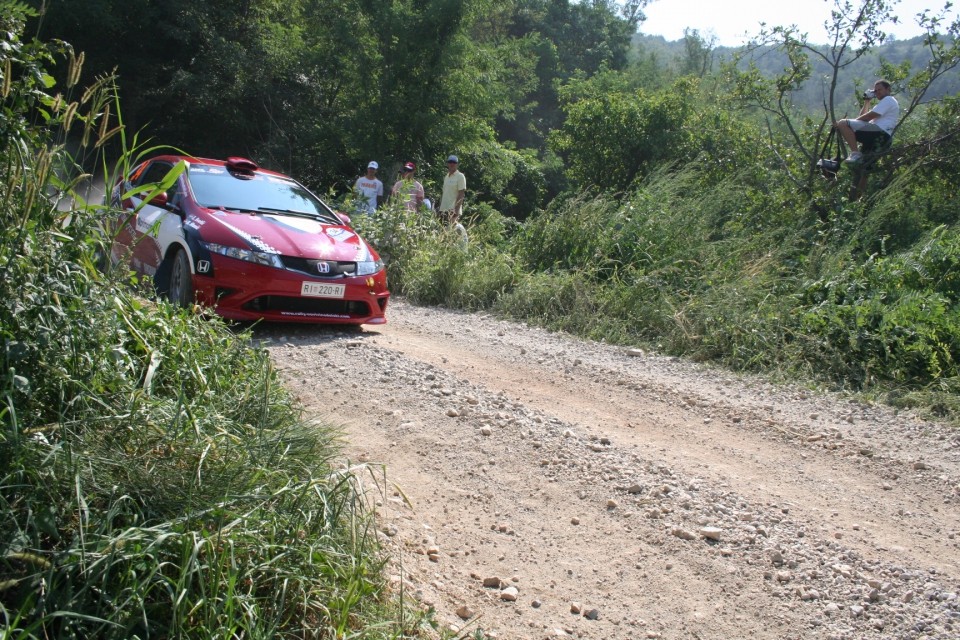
(289, 236)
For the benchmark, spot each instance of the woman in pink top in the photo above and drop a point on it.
(407, 188)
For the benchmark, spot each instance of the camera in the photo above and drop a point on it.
(829, 167)
(869, 94)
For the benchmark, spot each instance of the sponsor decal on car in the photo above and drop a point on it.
(144, 225)
(307, 314)
(207, 168)
(339, 233)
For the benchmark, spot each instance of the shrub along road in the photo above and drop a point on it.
(540, 486)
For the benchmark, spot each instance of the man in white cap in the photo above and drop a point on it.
(370, 189)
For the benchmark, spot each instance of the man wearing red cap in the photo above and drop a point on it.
(409, 190)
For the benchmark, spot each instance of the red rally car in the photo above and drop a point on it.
(249, 243)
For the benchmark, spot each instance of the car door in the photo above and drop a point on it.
(147, 228)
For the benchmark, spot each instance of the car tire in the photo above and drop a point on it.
(180, 283)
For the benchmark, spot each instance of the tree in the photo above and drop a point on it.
(853, 31)
(568, 39)
(610, 138)
(698, 54)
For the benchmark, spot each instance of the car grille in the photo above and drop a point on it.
(328, 268)
(320, 306)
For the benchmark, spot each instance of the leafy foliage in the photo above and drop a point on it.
(609, 139)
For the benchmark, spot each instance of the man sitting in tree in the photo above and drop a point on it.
(875, 124)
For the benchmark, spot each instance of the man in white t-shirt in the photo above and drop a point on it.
(370, 189)
(875, 124)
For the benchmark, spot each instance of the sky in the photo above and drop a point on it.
(729, 20)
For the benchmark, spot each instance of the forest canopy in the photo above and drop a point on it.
(318, 87)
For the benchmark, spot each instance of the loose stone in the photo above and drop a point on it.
(711, 533)
(510, 594)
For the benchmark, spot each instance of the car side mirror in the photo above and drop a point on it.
(344, 218)
(160, 200)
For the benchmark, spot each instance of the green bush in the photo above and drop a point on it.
(893, 317)
(431, 263)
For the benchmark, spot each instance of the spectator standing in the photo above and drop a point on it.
(370, 189)
(454, 191)
(874, 126)
(408, 188)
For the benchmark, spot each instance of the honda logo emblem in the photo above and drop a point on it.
(323, 267)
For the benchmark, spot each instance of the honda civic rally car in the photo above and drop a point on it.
(247, 242)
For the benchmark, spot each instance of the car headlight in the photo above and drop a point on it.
(249, 255)
(369, 267)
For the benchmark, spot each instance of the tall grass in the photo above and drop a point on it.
(156, 480)
(430, 263)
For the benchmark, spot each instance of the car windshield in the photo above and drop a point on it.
(215, 187)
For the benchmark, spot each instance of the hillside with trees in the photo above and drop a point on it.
(698, 55)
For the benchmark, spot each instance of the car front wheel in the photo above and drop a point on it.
(180, 288)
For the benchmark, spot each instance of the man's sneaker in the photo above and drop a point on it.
(856, 156)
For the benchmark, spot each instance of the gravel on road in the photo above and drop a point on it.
(532, 485)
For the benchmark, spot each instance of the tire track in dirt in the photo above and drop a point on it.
(583, 475)
(762, 465)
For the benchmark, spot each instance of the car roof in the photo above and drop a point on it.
(233, 162)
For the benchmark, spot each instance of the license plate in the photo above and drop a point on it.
(322, 290)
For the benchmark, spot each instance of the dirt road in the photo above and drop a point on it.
(546, 487)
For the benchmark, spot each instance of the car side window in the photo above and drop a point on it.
(155, 173)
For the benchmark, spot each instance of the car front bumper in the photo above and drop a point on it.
(246, 291)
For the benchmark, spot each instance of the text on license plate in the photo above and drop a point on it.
(322, 290)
